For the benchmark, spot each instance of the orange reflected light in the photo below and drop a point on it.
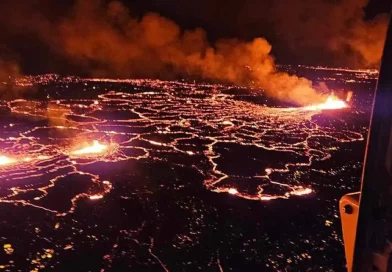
(95, 148)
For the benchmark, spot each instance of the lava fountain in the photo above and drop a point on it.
(4, 160)
(95, 148)
(232, 191)
(332, 103)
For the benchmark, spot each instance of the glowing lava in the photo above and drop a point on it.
(233, 191)
(302, 191)
(95, 148)
(4, 160)
(144, 126)
(95, 197)
(332, 103)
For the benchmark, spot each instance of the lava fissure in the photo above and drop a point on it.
(162, 123)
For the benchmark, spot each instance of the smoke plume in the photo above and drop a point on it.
(105, 39)
(336, 28)
(9, 71)
(108, 40)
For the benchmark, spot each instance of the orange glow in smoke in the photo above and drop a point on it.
(4, 160)
(95, 148)
(332, 103)
(349, 96)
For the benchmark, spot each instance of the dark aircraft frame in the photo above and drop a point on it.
(367, 215)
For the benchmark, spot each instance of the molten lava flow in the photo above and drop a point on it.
(95, 197)
(201, 137)
(95, 148)
(332, 103)
(233, 191)
(4, 160)
(302, 191)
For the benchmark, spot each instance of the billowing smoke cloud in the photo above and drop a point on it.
(318, 32)
(108, 41)
(336, 28)
(9, 71)
(9, 68)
